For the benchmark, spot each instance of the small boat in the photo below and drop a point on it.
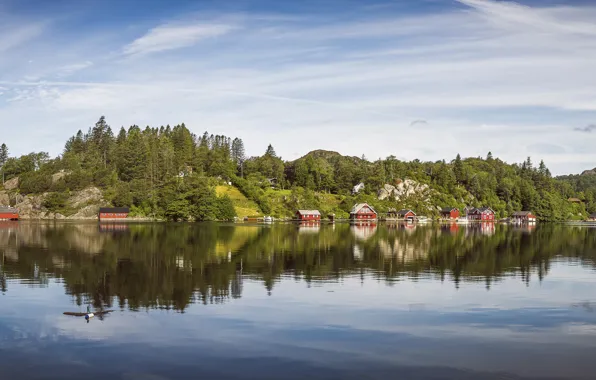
(267, 219)
(461, 221)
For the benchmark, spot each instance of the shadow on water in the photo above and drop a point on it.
(169, 266)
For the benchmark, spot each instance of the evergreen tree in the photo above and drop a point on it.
(3, 154)
(458, 169)
(270, 151)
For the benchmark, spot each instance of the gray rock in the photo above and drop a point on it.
(11, 184)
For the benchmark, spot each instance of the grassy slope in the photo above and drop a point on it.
(244, 207)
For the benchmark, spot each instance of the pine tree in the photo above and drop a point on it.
(3, 154)
(3, 158)
(458, 169)
(542, 168)
(270, 151)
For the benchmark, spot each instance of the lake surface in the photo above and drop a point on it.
(283, 301)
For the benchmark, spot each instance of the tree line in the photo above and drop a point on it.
(169, 172)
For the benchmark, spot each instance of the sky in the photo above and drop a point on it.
(424, 79)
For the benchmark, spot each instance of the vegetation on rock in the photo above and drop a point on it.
(170, 173)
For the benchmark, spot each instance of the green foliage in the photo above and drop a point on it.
(169, 172)
(34, 182)
(55, 202)
(225, 208)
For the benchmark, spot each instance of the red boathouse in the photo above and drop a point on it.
(107, 214)
(308, 215)
(524, 217)
(363, 212)
(483, 214)
(450, 213)
(9, 213)
(406, 214)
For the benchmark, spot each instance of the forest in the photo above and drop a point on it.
(169, 173)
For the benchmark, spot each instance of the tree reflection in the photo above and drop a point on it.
(167, 266)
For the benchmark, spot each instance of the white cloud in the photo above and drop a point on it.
(352, 86)
(169, 37)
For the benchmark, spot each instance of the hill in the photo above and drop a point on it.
(170, 173)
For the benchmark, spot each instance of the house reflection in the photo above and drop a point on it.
(363, 232)
(309, 227)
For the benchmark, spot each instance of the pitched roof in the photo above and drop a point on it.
(119, 210)
(522, 213)
(593, 215)
(308, 212)
(359, 207)
(9, 210)
(485, 209)
(448, 209)
(405, 211)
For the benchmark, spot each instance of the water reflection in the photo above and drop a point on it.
(171, 266)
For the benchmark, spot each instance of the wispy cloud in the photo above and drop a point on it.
(418, 122)
(288, 77)
(587, 129)
(172, 36)
(12, 36)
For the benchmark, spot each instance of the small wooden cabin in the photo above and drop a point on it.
(308, 215)
(9, 213)
(450, 213)
(107, 214)
(363, 211)
(406, 214)
(523, 217)
(482, 214)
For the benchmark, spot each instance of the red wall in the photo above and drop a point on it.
(308, 217)
(109, 215)
(409, 215)
(9, 216)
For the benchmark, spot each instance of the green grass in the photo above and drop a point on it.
(242, 205)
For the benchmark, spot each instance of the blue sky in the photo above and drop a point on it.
(416, 79)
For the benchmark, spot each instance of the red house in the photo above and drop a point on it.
(408, 215)
(9, 213)
(107, 214)
(483, 214)
(362, 211)
(450, 213)
(308, 215)
(524, 217)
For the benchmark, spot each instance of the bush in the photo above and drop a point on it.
(225, 208)
(34, 183)
(55, 201)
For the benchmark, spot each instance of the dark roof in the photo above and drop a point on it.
(448, 209)
(10, 210)
(116, 210)
(593, 215)
(404, 212)
(485, 209)
(522, 213)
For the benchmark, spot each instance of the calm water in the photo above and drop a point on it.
(287, 302)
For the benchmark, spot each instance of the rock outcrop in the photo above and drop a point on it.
(4, 199)
(403, 190)
(11, 184)
(85, 203)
